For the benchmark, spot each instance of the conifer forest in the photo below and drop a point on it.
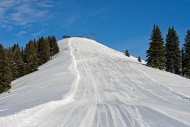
(168, 55)
(17, 61)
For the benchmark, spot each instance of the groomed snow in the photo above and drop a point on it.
(87, 84)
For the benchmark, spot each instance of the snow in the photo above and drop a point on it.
(96, 86)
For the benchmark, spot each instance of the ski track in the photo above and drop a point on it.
(107, 92)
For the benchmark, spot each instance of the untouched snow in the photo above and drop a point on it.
(87, 84)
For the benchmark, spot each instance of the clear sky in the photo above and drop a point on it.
(119, 24)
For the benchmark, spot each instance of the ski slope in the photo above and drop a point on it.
(90, 85)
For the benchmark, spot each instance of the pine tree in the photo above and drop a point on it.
(127, 53)
(8, 71)
(155, 53)
(5, 71)
(53, 45)
(43, 51)
(31, 57)
(10, 62)
(46, 51)
(186, 62)
(24, 69)
(39, 50)
(56, 47)
(2, 57)
(183, 60)
(139, 59)
(173, 56)
(18, 63)
(36, 47)
(35, 44)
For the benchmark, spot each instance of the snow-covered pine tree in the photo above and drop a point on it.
(187, 55)
(155, 53)
(172, 50)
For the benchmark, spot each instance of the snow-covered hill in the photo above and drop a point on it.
(87, 84)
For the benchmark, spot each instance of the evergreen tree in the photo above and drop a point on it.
(5, 71)
(56, 47)
(183, 60)
(2, 57)
(40, 50)
(155, 53)
(31, 57)
(18, 63)
(186, 61)
(43, 51)
(10, 62)
(46, 51)
(173, 56)
(127, 53)
(24, 69)
(53, 45)
(35, 44)
(139, 59)
(36, 47)
(8, 72)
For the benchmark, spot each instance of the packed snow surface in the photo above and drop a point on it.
(90, 85)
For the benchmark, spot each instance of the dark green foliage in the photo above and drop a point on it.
(5, 71)
(8, 71)
(80, 36)
(31, 57)
(43, 51)
(46, 51)
(186, 59)
(155, 53)
(24, 69)
(18, 62)
(2, 57)
(10, 62)
(173, 54)
(127, 53)
(139, 59)
(66, 36)
(35, 44)
(53, 45)
(183, 60)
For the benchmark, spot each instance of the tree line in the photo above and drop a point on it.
(17, 61)
(167, 55)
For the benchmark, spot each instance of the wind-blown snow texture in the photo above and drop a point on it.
(88, 84)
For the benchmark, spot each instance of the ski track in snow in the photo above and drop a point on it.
(107, 92)
(186, 97)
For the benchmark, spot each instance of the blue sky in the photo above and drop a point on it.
(121, 25)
